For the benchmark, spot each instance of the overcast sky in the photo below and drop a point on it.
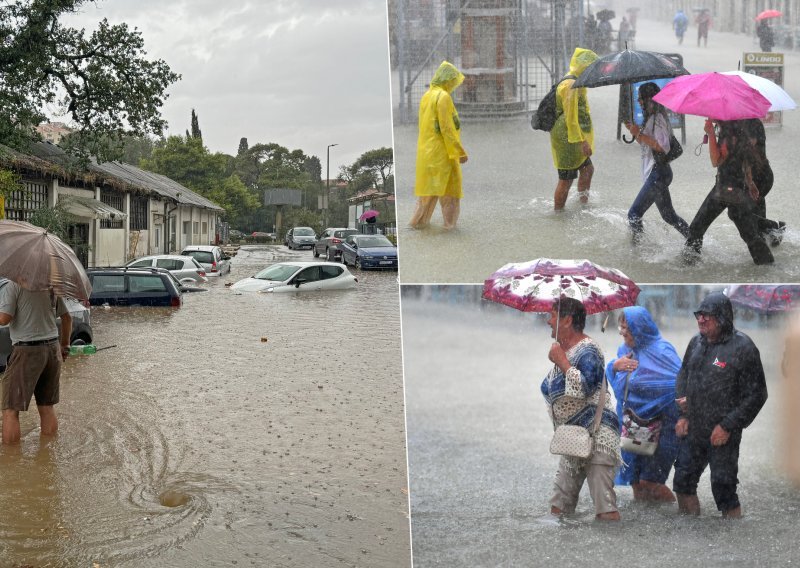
(301, 73)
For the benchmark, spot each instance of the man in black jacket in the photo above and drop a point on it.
(720, 389)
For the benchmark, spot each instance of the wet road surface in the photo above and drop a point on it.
(195, 443)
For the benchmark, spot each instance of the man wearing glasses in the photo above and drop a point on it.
(720, 389)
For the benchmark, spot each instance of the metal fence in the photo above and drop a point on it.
(510, 51)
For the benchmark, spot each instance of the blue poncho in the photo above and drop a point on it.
(651, 388)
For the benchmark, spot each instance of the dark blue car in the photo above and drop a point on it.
(369, 251)
(134, 287)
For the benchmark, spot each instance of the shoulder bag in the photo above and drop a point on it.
(638, 436)
(576, 441)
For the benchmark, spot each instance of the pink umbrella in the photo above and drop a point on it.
(714, 95)
(766, 14)
(368, 215)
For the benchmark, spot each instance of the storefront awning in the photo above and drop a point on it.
(91, 208)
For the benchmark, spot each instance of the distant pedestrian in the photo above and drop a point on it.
(680, 22)
(572, 136)
(624, 31)
(653, 137)
(735, 159)
(439, 151)
(38, 350)
(766, 36)
(572, 393)
(720, 389)
(703, 22)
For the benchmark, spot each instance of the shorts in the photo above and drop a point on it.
(32, 370)
(572, 174)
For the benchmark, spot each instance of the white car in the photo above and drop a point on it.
(298, 277)
(185, 268)
(210, 257)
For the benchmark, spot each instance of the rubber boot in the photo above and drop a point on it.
(688, 504)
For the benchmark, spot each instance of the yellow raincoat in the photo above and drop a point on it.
(439, 143)
(574, 124)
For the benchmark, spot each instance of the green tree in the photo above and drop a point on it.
(196, 133)
(101, 81)
(380, 162)
(243, 147)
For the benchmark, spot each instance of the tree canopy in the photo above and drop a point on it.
(101, 81)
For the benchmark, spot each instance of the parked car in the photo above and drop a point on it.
(298, 277)
(185, 268)
(124, 286)
(210, 257)
(327, 243)
(300, 237)
(81, 327)
(369, 251)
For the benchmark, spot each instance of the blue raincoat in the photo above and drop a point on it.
(651, 393)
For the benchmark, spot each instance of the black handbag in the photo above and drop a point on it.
(675, 150)
(735, 194)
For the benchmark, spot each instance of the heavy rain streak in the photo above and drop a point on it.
(481, 474)
(507, 212)
(239, 429)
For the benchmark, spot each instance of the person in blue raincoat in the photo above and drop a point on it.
(650, 365)
(680, 22)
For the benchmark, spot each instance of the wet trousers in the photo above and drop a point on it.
(742, 217)
(598, 473)
(764, 184)
(426, 205)
(694, 454)
(656, 190)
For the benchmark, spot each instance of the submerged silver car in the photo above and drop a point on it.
(185, 268)
(210, 257)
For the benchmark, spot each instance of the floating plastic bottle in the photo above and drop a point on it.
(82, 349)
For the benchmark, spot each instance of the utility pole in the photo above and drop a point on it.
(328, 185)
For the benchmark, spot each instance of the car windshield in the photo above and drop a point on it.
(277, 272)
(374, 241)
(200, 255)
(303, 232)
(345, 233)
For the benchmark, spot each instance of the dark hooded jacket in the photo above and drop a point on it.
(723, 382)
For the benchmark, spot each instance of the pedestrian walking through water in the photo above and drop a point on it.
(720, 390)
(735, 158)
(654, 139)
(572, 135)
(439, 151)
(680, 22)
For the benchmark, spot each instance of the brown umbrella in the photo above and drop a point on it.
(38, 260)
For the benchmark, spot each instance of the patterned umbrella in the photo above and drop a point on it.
(38, 260)
(765, 298)
(534, 286)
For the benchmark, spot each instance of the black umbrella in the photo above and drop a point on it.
(628, 67)
(605, 15)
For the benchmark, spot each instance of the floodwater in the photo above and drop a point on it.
(481, 473)
(507, 211)
(237, 430)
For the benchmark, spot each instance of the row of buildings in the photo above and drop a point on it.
(121, 211)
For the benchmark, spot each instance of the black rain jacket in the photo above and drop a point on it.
(723, 382)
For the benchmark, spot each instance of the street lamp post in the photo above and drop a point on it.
(328, 184)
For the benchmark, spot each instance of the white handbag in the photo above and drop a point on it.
(576, 441)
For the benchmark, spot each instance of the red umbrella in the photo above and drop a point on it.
(767, 14)
(368, 215)
(38, 260)
(765, 298)
(714, 95)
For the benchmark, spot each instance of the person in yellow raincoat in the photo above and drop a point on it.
(439, 151)
(572, 136)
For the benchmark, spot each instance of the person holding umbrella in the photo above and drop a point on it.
(766, 37)
(38, 349)
(439, 151)
(572, 392)
(703, 21)
(653, 137)
(572, 135)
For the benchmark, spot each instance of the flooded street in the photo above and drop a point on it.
(481, 473)
(507, 211)
(237, 430)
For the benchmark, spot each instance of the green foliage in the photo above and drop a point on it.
(196, 133)
(371, 169)
(297, 217)
(188, 162)
(243, 147)
(101, 82)
(9, 183)
(57, 220)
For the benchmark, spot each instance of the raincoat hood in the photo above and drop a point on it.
(718, 305)
(448, 77)
(581, 59)
(641, 325)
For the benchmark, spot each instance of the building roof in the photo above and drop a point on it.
(49, 160)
